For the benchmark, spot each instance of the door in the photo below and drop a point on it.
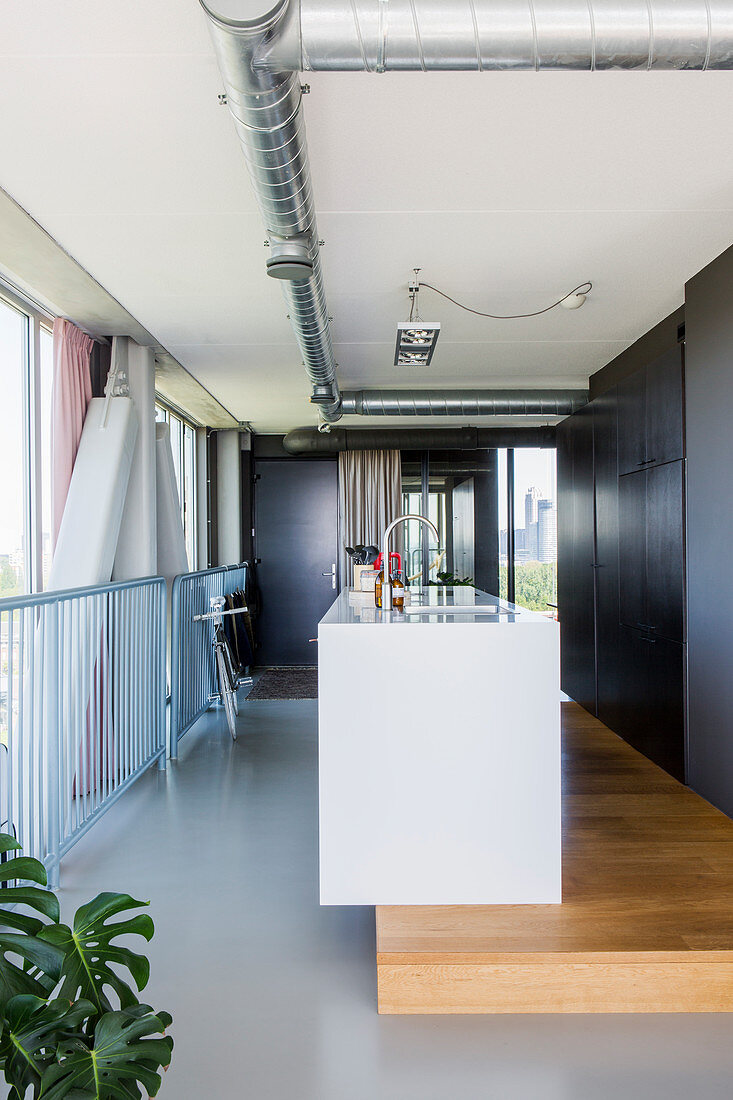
(296, 540)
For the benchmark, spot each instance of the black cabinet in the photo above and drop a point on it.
(621, 567)
(650, 420)
(651, 550)
(650, 715)
(576, 557)
(665, 551)
(606, 554)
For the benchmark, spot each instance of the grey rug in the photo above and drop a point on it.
(285, 683)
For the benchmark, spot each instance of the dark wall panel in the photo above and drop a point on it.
(709, 405)
(576, 557)
(606, 486)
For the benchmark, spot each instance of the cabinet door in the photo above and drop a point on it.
(632, 423)
(664, 401)
(576, 586)
(607, 604)
(632, 549)
(651, 708)
(665, 550)
(665, 738)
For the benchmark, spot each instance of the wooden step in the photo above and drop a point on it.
(646, 923)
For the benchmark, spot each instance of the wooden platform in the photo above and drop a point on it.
(646, 923)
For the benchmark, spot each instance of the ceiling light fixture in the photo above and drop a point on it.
(416, 339)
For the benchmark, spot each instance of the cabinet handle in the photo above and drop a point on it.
(646, 638)
(646, 626)
(646, 461)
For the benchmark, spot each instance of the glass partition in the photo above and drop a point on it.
(496, 514)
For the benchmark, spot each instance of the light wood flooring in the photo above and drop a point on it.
(646, 923)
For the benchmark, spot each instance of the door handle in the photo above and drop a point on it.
(332, 574)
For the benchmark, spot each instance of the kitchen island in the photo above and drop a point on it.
(439, 752)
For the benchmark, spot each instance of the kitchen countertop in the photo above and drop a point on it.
(350, 609)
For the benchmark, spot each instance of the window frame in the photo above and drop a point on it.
(169, 411)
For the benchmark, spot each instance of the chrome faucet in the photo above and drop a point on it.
(387, 582)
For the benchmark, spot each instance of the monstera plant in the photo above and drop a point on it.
(72, 1025)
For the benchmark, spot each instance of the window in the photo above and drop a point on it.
(183, 447)
(530, 548)
(496, 514)
(26, 370)
(13, 452)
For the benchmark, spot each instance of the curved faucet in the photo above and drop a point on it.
(387, 582)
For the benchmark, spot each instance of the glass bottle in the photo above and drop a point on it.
(398, 590)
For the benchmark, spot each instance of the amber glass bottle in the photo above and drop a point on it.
(398, 591)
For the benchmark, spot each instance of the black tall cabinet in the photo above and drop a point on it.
(621, 575)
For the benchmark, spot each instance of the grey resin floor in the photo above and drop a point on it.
(273, 998)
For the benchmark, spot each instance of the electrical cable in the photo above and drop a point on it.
(508, 316)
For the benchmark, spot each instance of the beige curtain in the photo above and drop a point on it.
(370, 497)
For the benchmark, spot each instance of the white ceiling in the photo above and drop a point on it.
(507, 189)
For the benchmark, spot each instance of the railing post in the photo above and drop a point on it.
(51, 781)
(159, 678)
(172, 733)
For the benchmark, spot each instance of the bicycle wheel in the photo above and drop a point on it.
(233, 678)
(227, 694)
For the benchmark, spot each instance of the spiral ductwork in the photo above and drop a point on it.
(434, 35)
(265, 103)
(260, 57)
(463, 402)
(308, 441)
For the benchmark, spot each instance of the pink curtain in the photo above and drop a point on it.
(72, 392)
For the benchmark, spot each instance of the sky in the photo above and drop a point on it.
(532, 467)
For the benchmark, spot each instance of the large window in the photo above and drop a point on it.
(183, 446)
(26, 369)
(496, 514)
(531, 494)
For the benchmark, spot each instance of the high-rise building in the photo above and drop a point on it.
(546, 530)
(531, 501)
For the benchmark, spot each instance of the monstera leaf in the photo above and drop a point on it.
(33, 1029)
(88, 950)
(36, 968)
(118, 1064)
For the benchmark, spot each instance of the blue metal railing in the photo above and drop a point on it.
(82, 707)
(193, 671)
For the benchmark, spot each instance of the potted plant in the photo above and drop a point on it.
(72, 1025)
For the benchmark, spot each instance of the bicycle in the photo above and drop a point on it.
(229, 678)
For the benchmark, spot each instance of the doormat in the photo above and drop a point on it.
(285, 683)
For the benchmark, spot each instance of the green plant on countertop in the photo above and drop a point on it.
(71, 1026)
(450, 580)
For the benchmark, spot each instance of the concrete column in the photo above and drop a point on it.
(202, 500)
(229, 497)
(136, 554)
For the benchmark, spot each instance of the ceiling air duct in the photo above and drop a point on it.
(260, 56)
(463, 402)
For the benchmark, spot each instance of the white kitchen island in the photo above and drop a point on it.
(439, 753)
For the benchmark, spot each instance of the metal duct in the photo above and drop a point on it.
(266, 107)
(260, 56)
(463, 402)
(389, 35)
(305, 441)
